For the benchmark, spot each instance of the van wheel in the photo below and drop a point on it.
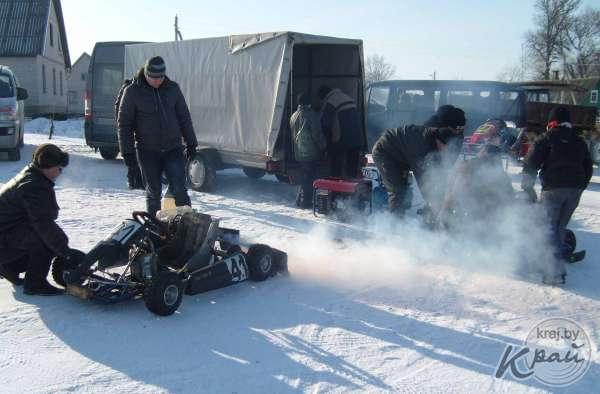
(109, 153)
(201, 173)
(14, 154)
(254, 173)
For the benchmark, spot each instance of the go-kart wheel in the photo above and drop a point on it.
(260, 261)
(164, 293)
(59, 267)
(570, 240)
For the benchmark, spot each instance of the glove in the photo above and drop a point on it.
(190, 152)
(130, 160)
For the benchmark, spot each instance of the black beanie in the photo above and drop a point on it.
(450, 116)
(155, 67)
(560, 115)
(49, 155)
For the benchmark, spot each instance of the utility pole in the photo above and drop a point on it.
(432, 75)
(178, 36)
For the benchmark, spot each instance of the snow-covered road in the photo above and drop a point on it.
(392, 314)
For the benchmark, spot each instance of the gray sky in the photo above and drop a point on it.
(463, 39)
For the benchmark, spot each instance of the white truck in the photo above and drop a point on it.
(241, 92)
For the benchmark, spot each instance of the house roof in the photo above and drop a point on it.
(84, 55)
(23, 28)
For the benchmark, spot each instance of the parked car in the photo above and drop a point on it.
(11, 114)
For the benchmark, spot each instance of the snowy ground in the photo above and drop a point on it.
(408, 314)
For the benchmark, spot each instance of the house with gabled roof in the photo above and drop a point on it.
(33, 43)
(76, 80)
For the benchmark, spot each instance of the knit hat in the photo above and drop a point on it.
(155, 67)
(450, 116)
(49, 155)
(559, 115)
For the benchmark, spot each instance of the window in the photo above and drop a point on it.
(594, 97)
(6, 86)
(54, 81)
(83, 76)
(378, 98)
(61, 82)
(44, 90)
(51, 29)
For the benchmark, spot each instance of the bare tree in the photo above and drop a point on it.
(548, 41)
(512, 73)
(378, 70)
(581, 58)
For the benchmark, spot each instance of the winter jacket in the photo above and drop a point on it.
(29, 198)
(155, 119)
(341, 123)
(563, 159)
(309, 141)
(414, 148)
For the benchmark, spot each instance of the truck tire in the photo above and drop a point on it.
(164, 293)
(254, 173)
(595, 152)
(260, 262)
(201, 173)
(109, 153)
(14, 154)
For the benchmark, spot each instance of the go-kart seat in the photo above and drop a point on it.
(187, 233)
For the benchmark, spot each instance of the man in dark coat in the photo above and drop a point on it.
(422, 150)
(565, 168)
(29, 235)
(153, 119)
(342, 125)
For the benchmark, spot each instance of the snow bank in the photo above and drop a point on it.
(67, 128)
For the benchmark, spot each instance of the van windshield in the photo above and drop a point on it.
(6, 88)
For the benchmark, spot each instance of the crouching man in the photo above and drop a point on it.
(29, 235)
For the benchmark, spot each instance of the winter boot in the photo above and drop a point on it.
(44, 289)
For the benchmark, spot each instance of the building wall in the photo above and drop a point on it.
(76, 80)
(52, 99)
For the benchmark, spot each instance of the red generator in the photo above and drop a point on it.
(342, 198)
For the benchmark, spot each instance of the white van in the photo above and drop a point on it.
(11, 114)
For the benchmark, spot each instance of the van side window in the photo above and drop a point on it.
(378, 98)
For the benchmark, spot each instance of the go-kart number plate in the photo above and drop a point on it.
(237, 268)
(123, 233)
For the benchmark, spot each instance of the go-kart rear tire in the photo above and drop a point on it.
(260, 261)
(164, 293)
(570, 240)
(58, 271)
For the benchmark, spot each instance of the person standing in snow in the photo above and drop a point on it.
(565, 168)
(422, 150)
(29, 235)
(309, 145)
(341, 124)
(153, 120)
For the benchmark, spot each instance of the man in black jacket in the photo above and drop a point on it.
(29, 235)
(419, 149)
(153, 119)
(565, 165)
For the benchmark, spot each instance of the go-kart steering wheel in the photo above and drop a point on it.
(151, 222)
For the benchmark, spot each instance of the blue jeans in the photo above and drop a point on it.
(152, 165)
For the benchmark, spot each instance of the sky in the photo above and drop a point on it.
(462, 39)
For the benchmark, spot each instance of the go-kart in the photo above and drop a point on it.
(160, 259)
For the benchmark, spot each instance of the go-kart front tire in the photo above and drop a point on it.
(260, 262)
(164, 293)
